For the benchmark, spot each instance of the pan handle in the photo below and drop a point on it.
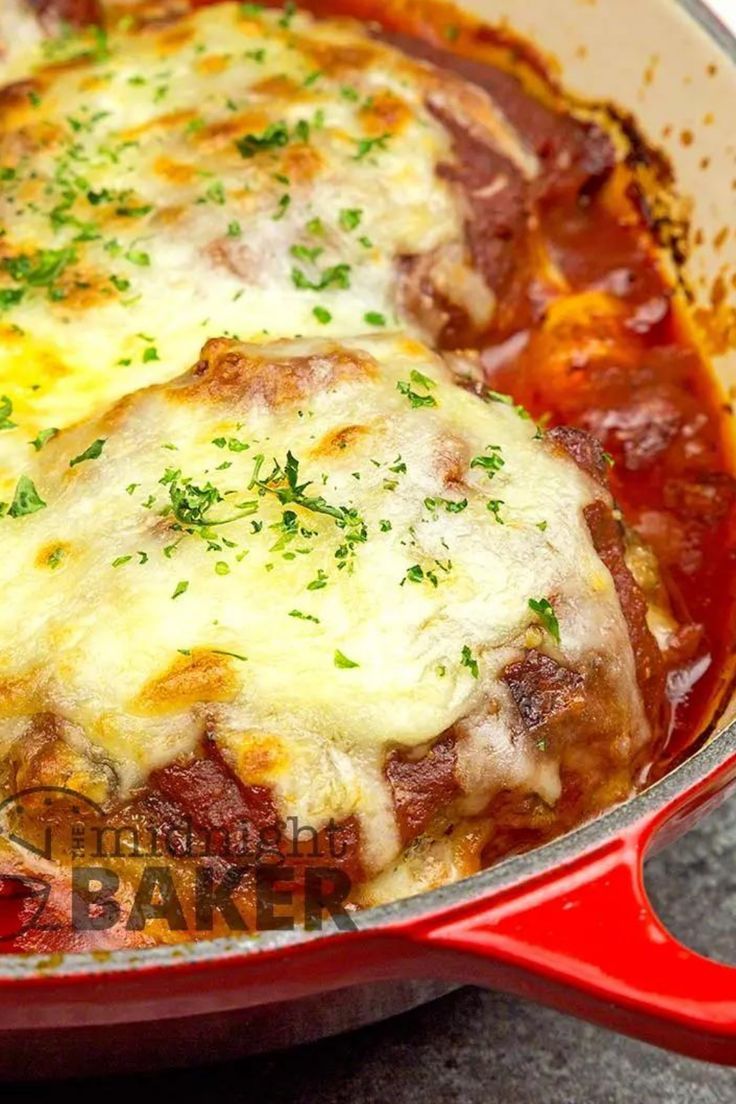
(585, 939)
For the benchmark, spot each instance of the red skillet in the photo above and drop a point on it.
(569, 925)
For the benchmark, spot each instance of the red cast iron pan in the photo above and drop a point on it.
(569, 925)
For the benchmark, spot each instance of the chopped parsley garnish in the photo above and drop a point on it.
(6, 409)
(368, 145)
(55, 558)
(232, 655)
(274, 136)
(373, 318)
(546, 614)
(232, 444)
(290, 11)
(322, 315)
(448, 504)
(180, 588)
(216, 193)
(89, 44)
(319, 582)
(337, 276)
(507, 400)
(10, 297)
(43, 437)
(234, 229)
(467, 660)
(415, 398)
(135, 212)
(191, 504)
(283, 483)
(494, 505)
(350, 217)
(489, 464)
(121, 560)
(26, 499)
(282, 207)
(37, 270)
(342, 660)
(306, 253)
(304, 616)
(93, 452)
(138, 257)
(149, 354)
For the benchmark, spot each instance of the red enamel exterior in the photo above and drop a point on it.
(581, 937)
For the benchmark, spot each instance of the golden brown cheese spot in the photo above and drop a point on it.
(82, 290)
(200, 677)
(172, 39)
(169, 120)
(452, 460)
(230, 372)
(279, 86)
(32, 138)
(261, 756)
(175, 172)
(221, 133)
(169, 216)
(385, 113)
(52, 555)
(214, 63)
(92, 83)
(15, 101)
(301, 163)
(337, 59)
(339, 440)
(17, 694)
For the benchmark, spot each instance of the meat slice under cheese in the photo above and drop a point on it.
(330, 562)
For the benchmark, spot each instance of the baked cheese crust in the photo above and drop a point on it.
(235, 172)
(320, 554)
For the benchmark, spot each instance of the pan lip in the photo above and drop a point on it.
(514, 871)
(27, 969)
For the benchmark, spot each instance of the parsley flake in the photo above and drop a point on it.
(26, 499)
(93, 452)
(6, 409)
(467, 660)
(546, 614)
(489, 464)
(342, 660)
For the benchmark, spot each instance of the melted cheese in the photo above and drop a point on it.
(136, 227)
(359, 597)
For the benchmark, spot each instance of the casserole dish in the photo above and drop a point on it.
(540, 924)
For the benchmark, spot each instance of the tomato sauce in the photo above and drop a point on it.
(594, 334)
